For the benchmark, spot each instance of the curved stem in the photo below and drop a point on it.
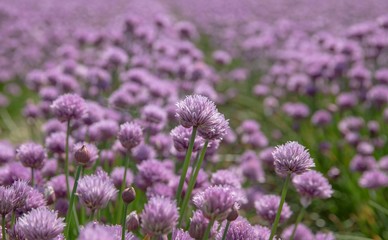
(226, 230)
(123, 222)
(209, 227)
(186, 164)
(283, 198)
(298, 219)
(72, 199)
(3, 227)
(192, 181)
(67, 157)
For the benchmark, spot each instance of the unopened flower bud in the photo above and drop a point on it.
(82, 155)
(233, 215)
(132, 221)
(128, 195)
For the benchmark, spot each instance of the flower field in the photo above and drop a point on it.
(181, 120)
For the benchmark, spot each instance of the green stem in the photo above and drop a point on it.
(67, 157)
(298, 219)
(123, 185)
(186, 164)
(123, 222)
(209, 227)
(32, 178)
(226, 230)
(283, 198)
(192, 181)
(93, 215)
(72, 199)
(3, 226)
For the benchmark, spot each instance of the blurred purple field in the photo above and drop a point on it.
(179, 120)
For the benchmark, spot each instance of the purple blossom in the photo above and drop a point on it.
(240, 229)
(96, 231)
(181, 138)
(56, 142)
(117, 176)
(373, 179)
(150, 172)
(103, 130)
(198, 225)
(68, 107)
(130, 135)
(324, 236)
(7, 200)
(58, 183)
(143, 152)
(179, 234)
(267, 207)
(302, 233)
(31, 155)
(95, 191)
(262, 233)
(7, 152)
(159, 217)
(292, 158)
(227, 178)
(215, 202)
(40, 224)
(361, 163)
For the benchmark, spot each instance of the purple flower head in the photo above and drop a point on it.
(240, 229)
(181, 138)
(198, 225)
(195, 111)
(221, 57)
(22, 190)
(324, 236)
(365, 148)
(302, 233)
(40, 224)
(7, 199)
(227, 178)
(31, 155)
(130, 135)
(103, 130)
(267, 207)
(179, 234)
(68, 107)
(117, 176)
(93, 113)
(266, 156)
(252, 169)
(262, 233)
(14, 171)
(162, 142)
(373, 179)
(56, 142)
(143, 152)
(362, 163)
(296, 110)
(346, 100)
(34, 200)
(153, 118)
(215, 202)
(58, 183)
(321, 117)
(159, 217)
(52, 126)
(95, 191)
(256, 139)
(150, 172)
(160, 189)
(7, 152)
(312, 184)
(96, 231)
(292, 158)
(216, 130)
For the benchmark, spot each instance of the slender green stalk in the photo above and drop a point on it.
(32, 178)
(192, 181)
(298, 219)
(93, 215)
(226, 230)
(283, 198)
(123, 185)
(186, 164)
(72, 199)
(67, 157)
(123, 222)
(3, 226)
(209, 227)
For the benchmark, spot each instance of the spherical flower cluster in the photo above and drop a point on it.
(215, 202)
(68, 107)
(373, 179)
(31, 155)
(181, 138)
(312, 184)
(130, 135)
(96, 231)
(95, 191)
(240, 229)
(41, 223)
(198, 225)
(7, 200)
(291, 158)
(302, 233)
(267, 207)
(159, 217)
